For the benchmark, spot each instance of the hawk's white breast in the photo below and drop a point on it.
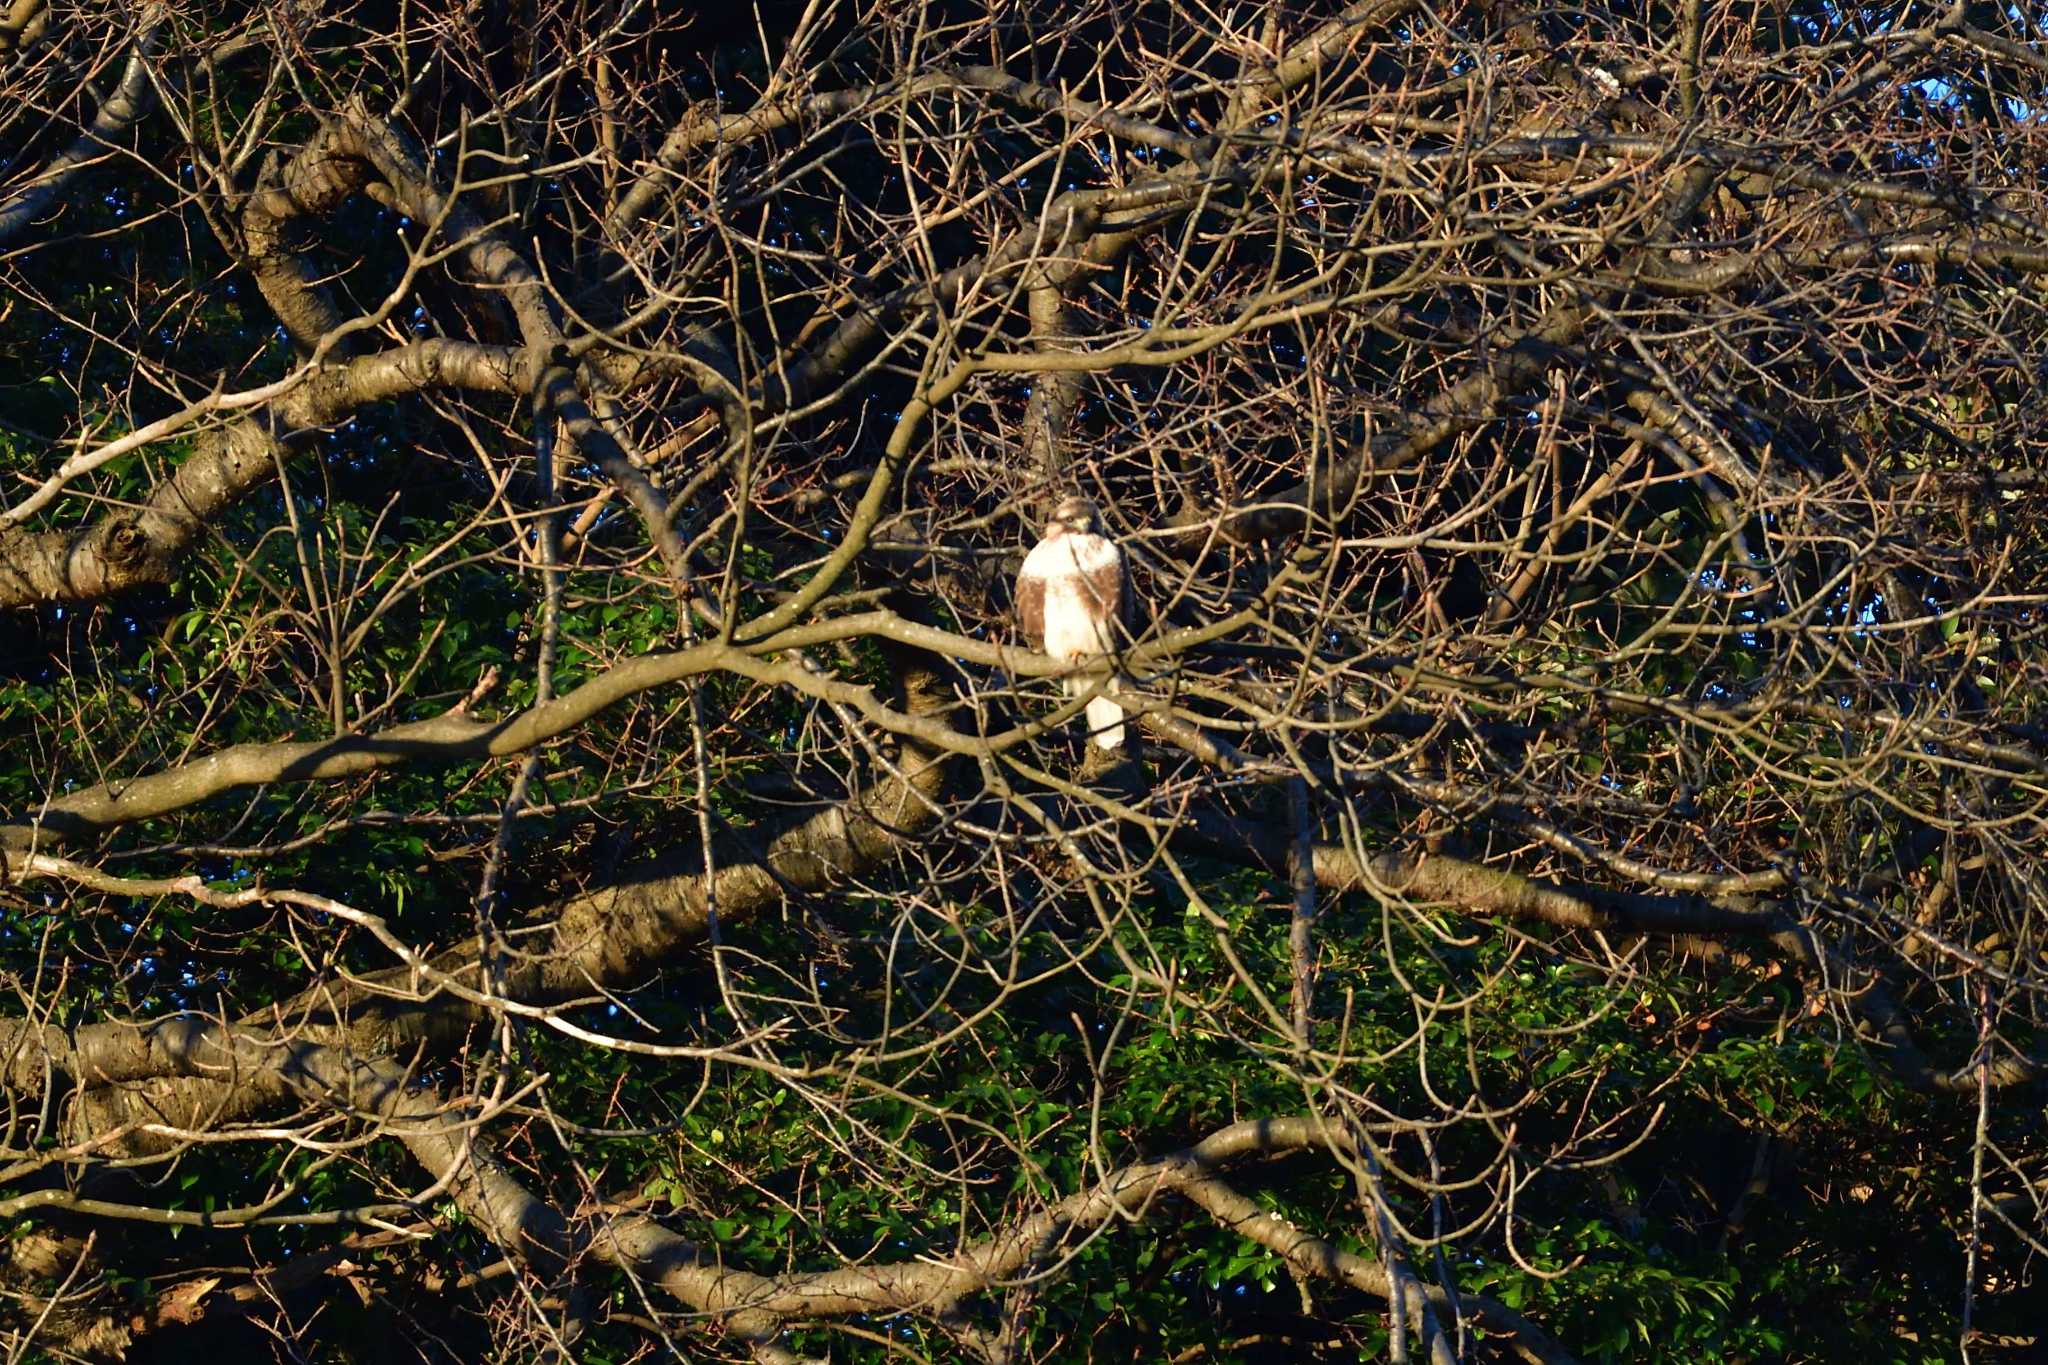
(1076, 622)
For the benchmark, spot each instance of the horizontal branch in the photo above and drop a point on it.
(455, 736)
(1476, 889)
(126, 549)
(933, 1286)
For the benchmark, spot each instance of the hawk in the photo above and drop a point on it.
(1072, 597)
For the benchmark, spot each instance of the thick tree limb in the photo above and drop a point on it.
(1476, 889)
(124, 108)
(127, 549)
(456, 736)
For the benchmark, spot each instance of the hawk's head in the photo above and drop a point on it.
(1075, 515)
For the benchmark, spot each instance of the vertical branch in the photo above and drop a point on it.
(546, 552)
(1693, 19)
(1390, 1256)
(1445, 1280)
(1980, 1140)
(1301, 876)
(1406, 1294)
(1055, 394)
(1257, 67)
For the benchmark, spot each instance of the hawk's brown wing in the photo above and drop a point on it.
(1031, 608)
(1108, 592)
(1126, 603)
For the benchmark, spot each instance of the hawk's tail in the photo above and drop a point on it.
(1106, 721)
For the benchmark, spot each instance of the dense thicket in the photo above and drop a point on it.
(529, 833)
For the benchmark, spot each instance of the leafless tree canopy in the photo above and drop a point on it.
(526, 819)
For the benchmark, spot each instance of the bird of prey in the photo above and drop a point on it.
(1072, 597)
